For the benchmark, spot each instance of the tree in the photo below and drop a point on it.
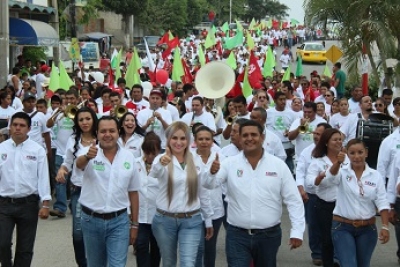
(196, 10)
(222, 8)
(259, 9)
(126, 8)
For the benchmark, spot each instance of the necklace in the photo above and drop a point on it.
(147, 165)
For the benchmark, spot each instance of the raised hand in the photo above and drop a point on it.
(215, 165)
(92, 153)
(341, 157)
(166, 158)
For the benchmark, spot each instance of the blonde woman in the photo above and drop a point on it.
(181, 197)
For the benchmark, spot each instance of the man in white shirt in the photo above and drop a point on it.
(137, 102)
(309, 196)
(155, 118)
(354, 100)
(255, 233)
(62, 126)
(272, 144)
(24, 182)
(199, 115)
(310, 121)
(110, 185)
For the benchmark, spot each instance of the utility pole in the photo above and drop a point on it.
(72, 9)
(4, 42)
(55, 23)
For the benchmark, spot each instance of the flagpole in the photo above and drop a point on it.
(230, 11)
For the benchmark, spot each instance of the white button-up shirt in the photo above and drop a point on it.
(134, 144)
(69, 159)
(105, 185)
(350, 203)
(256, 196)
(325, 191)
(180, 196)
(389, 148)
(24, 170)
(393, 178)
(147, 193)
(230, 150)
(273, 145)
(303, 162)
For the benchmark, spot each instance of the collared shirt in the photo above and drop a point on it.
(325, 191)
(205, 118)
(157, 126)
(105, 185)
(273, 145)
(388, 149)
(356, 200)
(23, 170)
(147, 193)
(230, 150)
(393, 175)
(303, 162)
(256, 196)
(69, 159)
(180, 196)
(134, 144)
(38, 127)
(62, 129)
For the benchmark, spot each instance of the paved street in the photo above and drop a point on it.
(54, 247)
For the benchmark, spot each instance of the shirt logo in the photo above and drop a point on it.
(127, 165)
(348, 178)
(197, 168)
(398, 146)
(132, 147)
(370, 183)
(239, 173)
(273, 174)
(31, 158)
(3, 156)
(98, 165)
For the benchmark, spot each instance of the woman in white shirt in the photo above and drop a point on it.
(324, 156)
(78, 144)
(204, 156)
(181, 197)
(337, 120)
(146, 248)
(130, 134)
(16, 103)
(6, 111)
(361, 191)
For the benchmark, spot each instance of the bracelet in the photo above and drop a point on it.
(45, 207)
(134, 223)
(385, 228)
(134, 227)
(86, 157)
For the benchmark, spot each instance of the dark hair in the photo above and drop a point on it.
(310, 105)
(195, 126)
(385, 109)
(121, 80)
(137, 86)
(321, 148)
(114, 94)
(325, 84)
(325, 125)
(240, 99)
(3, 96)
(263, 112)
(41, 101)
(387, 92)
(12, 89)
(251, 123)
(60, 92)
(278, 94)
(84, 88)
(78, 131)
(187, 87)
(15, 70)
(72, 92)
(151, 143)
(396, 100)
(338, 65)
(355, 141)
(106, 118)
(240, 121)
(106, 90)
(198, 98)
(138, 130)
(202, 128)
(288, 85)
(22, 115)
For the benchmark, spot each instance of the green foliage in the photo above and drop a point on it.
(125, 7)
(176, 16)
(196, 10)
(259, 9)
(34, 53)
(221, 9)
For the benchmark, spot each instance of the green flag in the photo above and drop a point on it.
(234, 41)
(252, 25)
(54, 78)
(294, 22)
(65, 80)
(117, 68)
(269, 63)
(269, 24)
(225, 27)
(286, 76)
(299, 67)
(214, 30)
(249, 41)
(231, 61)
(239, 26)
(246, 87)
(327, 71)
(177, 68)
(202, 58)
(210, 40)
(132, 73)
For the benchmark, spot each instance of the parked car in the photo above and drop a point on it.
(312, 52)
(151, 42)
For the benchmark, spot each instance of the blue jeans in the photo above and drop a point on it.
(354, 246)
(263, 247)
(61, 189)
(106, 241)
(147, 251)
(173, 232)
(208, 248)
(397, 225)
(314, 237)
(289, 162)
(77, 236)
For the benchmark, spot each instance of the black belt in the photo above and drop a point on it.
(257, 231)
(104, 216)
(20, 200)
(179, 215)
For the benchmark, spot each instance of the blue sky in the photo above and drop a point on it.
(296, 10)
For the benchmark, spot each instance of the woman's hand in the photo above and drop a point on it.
(209, 233)
(166, 158)
(384, 236)
(60, 178)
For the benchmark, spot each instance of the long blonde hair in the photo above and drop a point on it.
(191, 172)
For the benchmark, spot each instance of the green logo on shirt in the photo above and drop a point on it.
(127, 165)
(98, 166)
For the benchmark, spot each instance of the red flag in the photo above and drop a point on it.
(167, 65)
(219, 48)
(255, 76)
(110, 77)
(164, 39)
(237, 88)
(188, 78)
(171, 45)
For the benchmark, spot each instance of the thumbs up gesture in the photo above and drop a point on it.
(166, 158)
(92, 153)
(215, 165)
(341, 157)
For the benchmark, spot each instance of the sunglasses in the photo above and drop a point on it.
(378, 105)
(327, 95)
(262, 97)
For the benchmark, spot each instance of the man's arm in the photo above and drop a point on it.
(47, 141)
